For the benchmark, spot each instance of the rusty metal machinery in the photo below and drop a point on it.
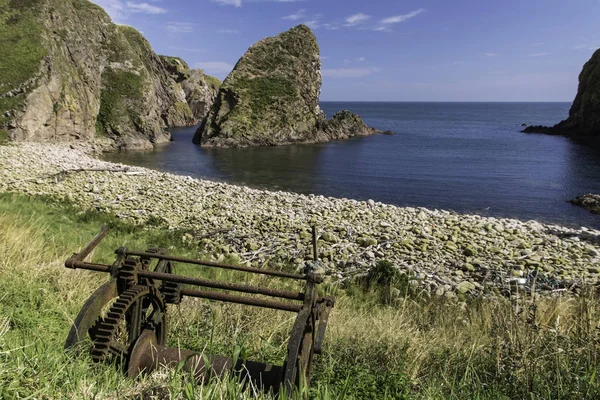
(126, 318)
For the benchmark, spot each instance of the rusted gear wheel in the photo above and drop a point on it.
(136, 309)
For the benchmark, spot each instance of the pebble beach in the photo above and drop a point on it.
(444, 253)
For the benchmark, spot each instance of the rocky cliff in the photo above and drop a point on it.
(584, 116)
(272, 98)
(68, 73)
(200, 89)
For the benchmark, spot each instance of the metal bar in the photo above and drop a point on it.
(314, 243)
(161, 276)
(285, 294)
(90, 266)
(184, 260)
(323, 320)
(250, 301)
(87, 249)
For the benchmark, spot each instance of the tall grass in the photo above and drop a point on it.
(376, 347)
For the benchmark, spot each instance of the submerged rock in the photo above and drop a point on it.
(584, 115)
(272, 98)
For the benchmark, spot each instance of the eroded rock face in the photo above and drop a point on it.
(77, 76)
(584, 116)
(200, 89)
(272, 98)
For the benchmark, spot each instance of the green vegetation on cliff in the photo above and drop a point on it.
(263, 93)
(22, 51)
(120, 101)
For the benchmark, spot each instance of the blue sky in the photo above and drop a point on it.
(380, 50)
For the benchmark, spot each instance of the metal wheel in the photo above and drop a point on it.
(300, 353)
(90, 313)
(136, 309)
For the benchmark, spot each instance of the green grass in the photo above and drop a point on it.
(376, 347)
(3, 136)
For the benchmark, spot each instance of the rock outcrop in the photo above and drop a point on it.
(584, 116)
(272, 98)
(68, 73)
(588, 201)
(200, 89)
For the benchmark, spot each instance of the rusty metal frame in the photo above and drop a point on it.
(136, 286)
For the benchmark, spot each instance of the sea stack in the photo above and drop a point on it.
(584, 116)
(272, 98)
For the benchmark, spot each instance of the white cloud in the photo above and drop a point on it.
(490, 54)
(348, 72)
(144, 8)
(585, 47)
(357, 19)
(401, 18)
(313, 23)
(294, 17)
(382, 29)
(228, 31)
(215, 67)
(180, 27)
(539, 54)
(236, 3)
(360, 59)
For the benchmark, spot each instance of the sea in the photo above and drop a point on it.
(466, 157)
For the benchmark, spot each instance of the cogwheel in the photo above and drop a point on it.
(137, 308)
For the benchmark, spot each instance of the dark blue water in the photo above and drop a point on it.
(467, 157)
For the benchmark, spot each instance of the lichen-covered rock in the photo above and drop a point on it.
(200, 89)
(272, 98)
(584, 116)
(69, 73)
